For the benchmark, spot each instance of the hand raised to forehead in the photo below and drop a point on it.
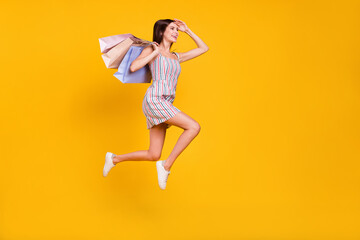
(182, 26)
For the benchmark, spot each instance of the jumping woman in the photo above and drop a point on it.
(158, 101)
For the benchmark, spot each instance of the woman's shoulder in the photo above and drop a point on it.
(177, 55)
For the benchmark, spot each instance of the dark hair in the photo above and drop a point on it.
(159, 29)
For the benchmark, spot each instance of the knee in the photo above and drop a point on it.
(196, 128)
(153, 156)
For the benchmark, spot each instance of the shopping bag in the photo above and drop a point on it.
(124, 74)
(106, 43)
(116, 54)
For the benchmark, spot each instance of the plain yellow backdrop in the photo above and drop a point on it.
(277, 97)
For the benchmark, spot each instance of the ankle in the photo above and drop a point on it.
(115, 159)
(167, 168)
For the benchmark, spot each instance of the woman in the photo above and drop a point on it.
(158, 101)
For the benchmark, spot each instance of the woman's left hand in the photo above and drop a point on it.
(182, 26)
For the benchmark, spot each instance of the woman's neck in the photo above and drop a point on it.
(164, 46)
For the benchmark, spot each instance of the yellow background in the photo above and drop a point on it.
(277, 97)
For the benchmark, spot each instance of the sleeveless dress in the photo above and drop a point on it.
(158, 101)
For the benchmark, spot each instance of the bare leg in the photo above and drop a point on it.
(157, 138)
(191, 130)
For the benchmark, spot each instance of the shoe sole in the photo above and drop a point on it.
(108, 160)
(158, 168)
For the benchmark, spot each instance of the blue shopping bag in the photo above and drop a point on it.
(124, 74)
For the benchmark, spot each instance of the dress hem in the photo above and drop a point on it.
(164, 120)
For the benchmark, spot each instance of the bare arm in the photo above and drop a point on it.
(144, 58)
(202, 48)
(197, 40)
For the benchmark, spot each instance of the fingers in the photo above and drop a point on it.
(155, 45)
(179, 24)
(177, 20)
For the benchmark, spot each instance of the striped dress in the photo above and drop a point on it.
(158, 101)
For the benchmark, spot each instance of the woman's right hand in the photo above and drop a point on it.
(156, 47)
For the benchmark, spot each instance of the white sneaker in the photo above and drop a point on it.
(108, 163)
(162, 174)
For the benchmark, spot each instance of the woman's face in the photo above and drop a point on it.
(171, 32)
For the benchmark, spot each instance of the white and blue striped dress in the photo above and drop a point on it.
(158, 101)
